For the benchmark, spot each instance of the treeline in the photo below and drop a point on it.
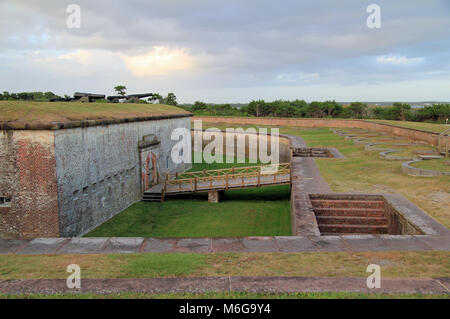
(328, 109)
(28, 96)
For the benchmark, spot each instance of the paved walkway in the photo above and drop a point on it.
(306, 179)
(228, 284)
(289, 244)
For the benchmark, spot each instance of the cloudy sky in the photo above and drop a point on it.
(231, 50)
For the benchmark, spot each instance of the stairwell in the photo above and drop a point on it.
(153, 197)
(347, 216)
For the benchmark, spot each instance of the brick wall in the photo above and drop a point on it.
(28, 177)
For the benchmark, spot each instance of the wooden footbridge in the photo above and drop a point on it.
(220, 180)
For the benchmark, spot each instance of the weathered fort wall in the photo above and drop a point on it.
(412, 134)
(99, 169)
(66, 182)
(28, 180)
(251, 142)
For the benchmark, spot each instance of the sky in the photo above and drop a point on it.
(229, 51)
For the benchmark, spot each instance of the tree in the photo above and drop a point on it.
(199, 106)
(357, 109)
(120, 89)
(316, 109)
(171, 99)
(257, 108)
(156, 97)
(402, 110)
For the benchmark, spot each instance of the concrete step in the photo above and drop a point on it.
(351, 220)
(356, 212)
(327, 203)
(152, 197)
(353, 229)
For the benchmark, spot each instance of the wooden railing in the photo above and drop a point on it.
(229, 178)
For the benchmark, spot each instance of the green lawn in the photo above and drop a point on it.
(395, 264)
(246, 212)
(227, 162)
(434, 165)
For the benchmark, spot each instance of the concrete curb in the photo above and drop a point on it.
(414, 171)
(282, 244)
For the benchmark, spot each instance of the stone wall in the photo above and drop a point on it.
(99, 169)
(412, 134)
(398, 224)
(28, 178)
(416, 171)
(252, 142)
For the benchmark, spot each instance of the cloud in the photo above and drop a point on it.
(159, 61)
(202, 46)
(399, 60)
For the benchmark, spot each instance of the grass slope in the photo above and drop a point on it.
(429, 127)
(12, 111)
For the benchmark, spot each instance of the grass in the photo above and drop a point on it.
(246, 212)
(423, 126)
(434, 165)
(21, 111)
(365, 172)
(227, 295)
(227, 162)
(406, 264)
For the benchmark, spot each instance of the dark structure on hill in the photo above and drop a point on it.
(132, 98)
(88, 97)
(91, 97)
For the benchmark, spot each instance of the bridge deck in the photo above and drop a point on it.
(234, 178)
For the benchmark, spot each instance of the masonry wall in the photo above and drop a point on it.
(28, 178)
(99, 170)
(416, 135)
(252, 143)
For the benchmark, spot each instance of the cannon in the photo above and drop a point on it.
(62, 99)
(87, 97)
(134, 98)
(115, 98)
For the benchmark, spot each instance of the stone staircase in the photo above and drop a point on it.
(311, 152)
(346, 217)
(153, 197)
